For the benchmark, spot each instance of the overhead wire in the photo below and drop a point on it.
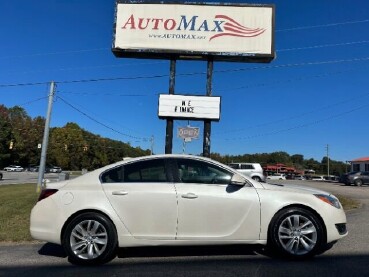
(97, 121)
(299, 126)
(202, 73)
(107, 48)
(363, 59)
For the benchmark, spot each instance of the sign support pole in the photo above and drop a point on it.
(207, 123)
(169, 128)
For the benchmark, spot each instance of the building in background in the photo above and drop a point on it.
(360, 164)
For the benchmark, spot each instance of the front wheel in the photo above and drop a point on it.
(90, 238)
(296, 233)
(256, 178)
(358, 182)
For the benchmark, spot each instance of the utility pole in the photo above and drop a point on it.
(45, 140)
(152, 145)
(207, 122)
(169, 128)
(327, 159)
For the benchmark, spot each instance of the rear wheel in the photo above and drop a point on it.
(256, 178)
(296, 233)
(90, 238)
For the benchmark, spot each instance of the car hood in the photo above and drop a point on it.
(294, 188)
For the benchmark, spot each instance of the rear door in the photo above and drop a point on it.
(143, 195)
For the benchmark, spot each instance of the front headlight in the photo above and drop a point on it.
(329, 199)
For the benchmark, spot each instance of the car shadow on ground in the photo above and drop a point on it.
(51, 249)
(54, 250)
(213, 261)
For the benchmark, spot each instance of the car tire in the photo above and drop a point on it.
(256, 178)
(296, 233)
(90, 238)
(358, 182)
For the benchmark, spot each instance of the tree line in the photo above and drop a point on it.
(70, 147)
(74, 148)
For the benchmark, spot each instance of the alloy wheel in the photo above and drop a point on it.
(297, 234)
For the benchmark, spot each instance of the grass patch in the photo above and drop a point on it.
(348, 203)
(16, 202)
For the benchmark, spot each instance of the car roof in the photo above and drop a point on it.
(98, 171)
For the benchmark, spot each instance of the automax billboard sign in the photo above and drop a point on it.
(232, 32)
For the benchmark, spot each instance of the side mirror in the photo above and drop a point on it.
(238, 180)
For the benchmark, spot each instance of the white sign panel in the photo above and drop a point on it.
(195, 29)
(189, 107)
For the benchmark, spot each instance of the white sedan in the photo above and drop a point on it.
(182, 200)
(15, 168)
(276, 176)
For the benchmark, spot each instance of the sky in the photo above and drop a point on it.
(312, 97)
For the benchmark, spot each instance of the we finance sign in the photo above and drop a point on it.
(194, 31)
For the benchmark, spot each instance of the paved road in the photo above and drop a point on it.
(349, 257)
(25, 177)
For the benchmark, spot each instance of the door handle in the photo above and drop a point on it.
(120, 192)
(189, 195)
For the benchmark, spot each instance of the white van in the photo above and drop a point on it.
(252, 170)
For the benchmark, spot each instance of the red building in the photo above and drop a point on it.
(281, 168)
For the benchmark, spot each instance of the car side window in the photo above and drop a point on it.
(114, 175)
(247, 166)
(146, 171)
(192, 171)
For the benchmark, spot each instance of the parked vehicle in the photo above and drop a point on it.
(33, 168)
(300, 177)
(15, 168)
(182, 200)
(276, 176)
(318, 178)
(252, 170)
(55, 169)
(357, 178)
(36, 168)
(1, 176)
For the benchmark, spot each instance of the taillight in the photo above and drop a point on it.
(45, 193)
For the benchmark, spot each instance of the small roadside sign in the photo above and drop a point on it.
(188, 133)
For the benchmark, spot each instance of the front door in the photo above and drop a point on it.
(209, 208)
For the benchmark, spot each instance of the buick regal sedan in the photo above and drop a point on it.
(182, 200)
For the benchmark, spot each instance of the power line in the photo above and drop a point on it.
(272, 83)
(55, 53)
(104, 94)
(301, 125)
(33, 101)
(98, 122)
(193, 73)
(323, 25)
(107, 49)
(323, 45)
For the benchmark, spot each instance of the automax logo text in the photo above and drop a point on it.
(221, 25)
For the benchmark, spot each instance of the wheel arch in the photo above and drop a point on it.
(71, 217)
(300, 206)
